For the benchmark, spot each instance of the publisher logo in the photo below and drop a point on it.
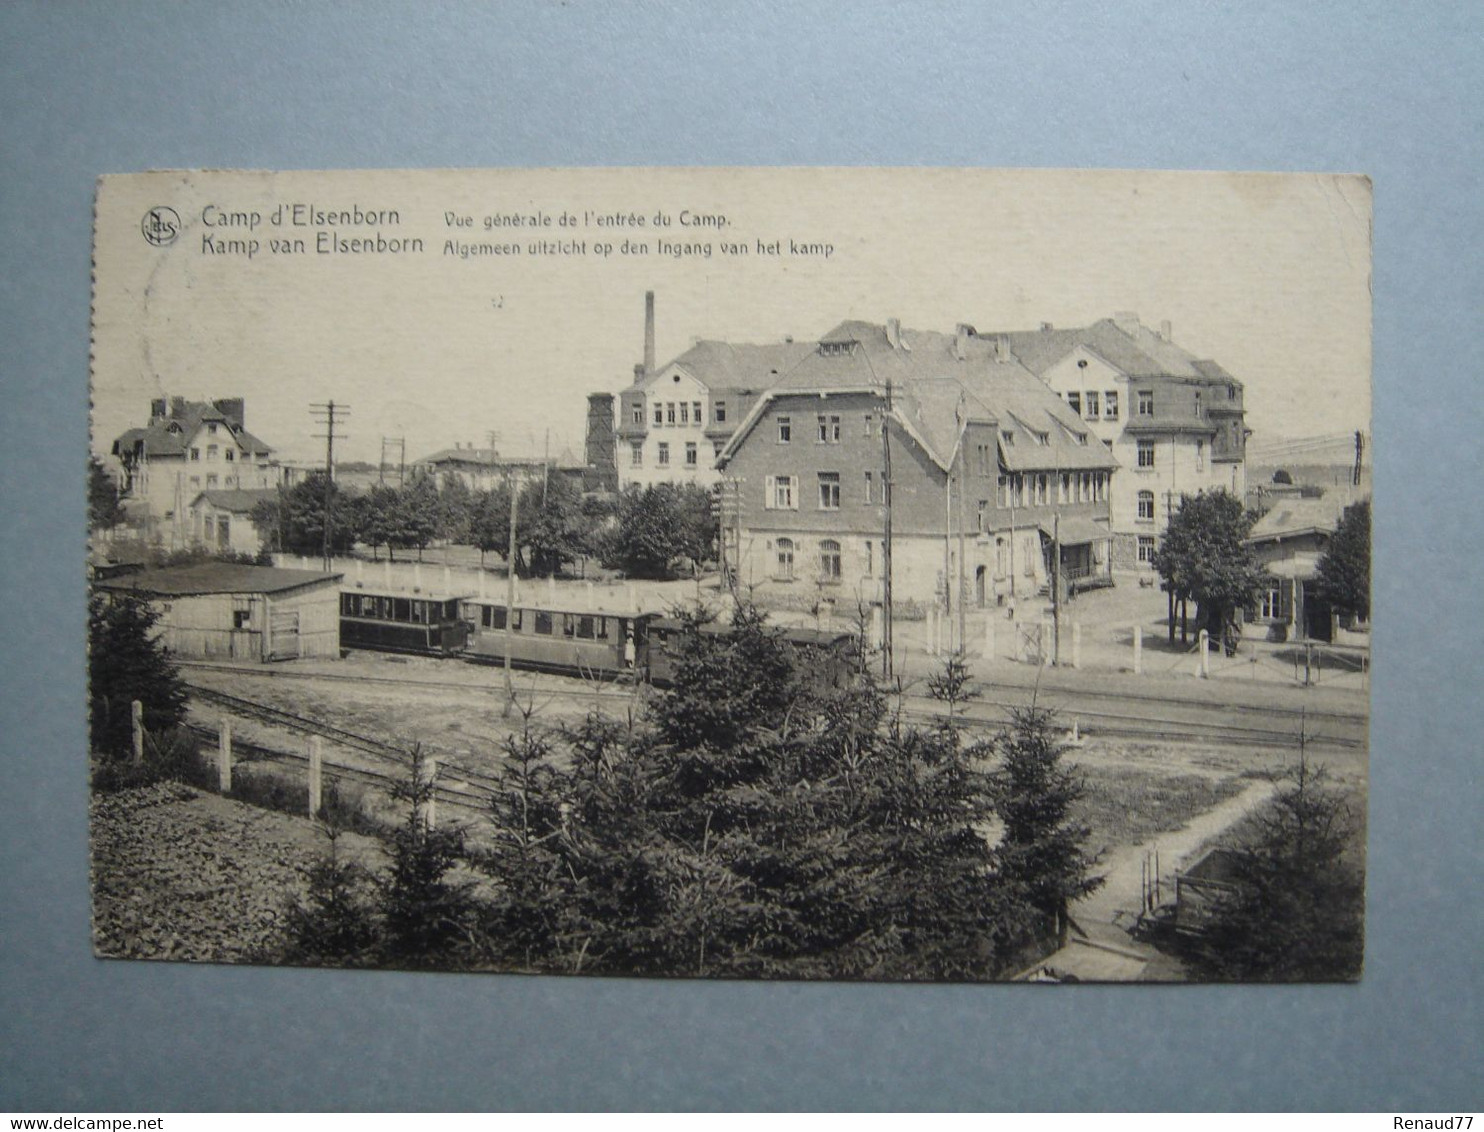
(161, 225)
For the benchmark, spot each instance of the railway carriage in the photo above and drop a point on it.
(387, 621)
(825, 655)
(575, 641)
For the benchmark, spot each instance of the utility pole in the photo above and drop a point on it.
(1359, 450)
(886, 617)
(963, 625)
(1056, 587)
(510, 602)
(327, 413)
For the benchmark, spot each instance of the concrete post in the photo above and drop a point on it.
(224, 756)
(1205, 639)
(136, 723)
(430, 807)
(316, 775)
(1138, 649)
(1076, 644)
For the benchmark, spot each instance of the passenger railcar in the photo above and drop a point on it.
(825, 655)
(401, 622)
(575, 641)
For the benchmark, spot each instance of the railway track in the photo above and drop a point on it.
(1142, 716)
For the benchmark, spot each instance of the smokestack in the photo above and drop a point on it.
(648, 333)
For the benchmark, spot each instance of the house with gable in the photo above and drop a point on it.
(988, 470)
(1174, 422)
(187, 448)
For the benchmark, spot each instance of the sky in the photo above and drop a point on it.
(1267, 274)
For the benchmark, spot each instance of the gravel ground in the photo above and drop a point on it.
(180, 874)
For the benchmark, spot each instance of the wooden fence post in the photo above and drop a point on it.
(224, 756)
(430, 807)
(1205, 640)
(316, 775)
(136, 723)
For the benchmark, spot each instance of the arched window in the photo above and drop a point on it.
(829, 560)
(785, 558)
(1146, 505)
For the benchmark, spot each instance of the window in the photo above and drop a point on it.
(670, 413)
(543, 623)
(211, 480)
(684, 413)
(982, 515)
(1272, 604)
(1146, 549)
(829, 560)
(1007, 438)
(1110, 405)
(1002, 492)
(986, 465)
(1064, 489)
(195, 453)
(829, 429)
(639, 414)
(1200, 455)
(1040, 488)
(211, 428)
(692, 459)
(659, 413)
(721, 412)
(1146, 402)
(1043, 439)
(869, 420)
(1146, 505)
(195, 481)
(1090, 405)
(230, 455)
(1074, 402)
(1100, 484)
(636, 453)
(785, 558)
(779, 493)
(870, 558)
(210, 529)
(1199, 411)
(1231, 392)
(829, 491)
(870, 487)
(664, 454)
(785, 430)
(1146, 453)
(242, 618)
(224, 531)
(211, 451)
(695, 412)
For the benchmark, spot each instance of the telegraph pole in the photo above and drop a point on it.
(1056, 587)
(510, 602)
(1359, 449)
(886, 618)
(327, 413)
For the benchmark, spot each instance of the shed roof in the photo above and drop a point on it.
(1290, 517)
(239, 501)
(215, 578)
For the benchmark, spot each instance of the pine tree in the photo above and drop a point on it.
(127, 662)
(104, 510)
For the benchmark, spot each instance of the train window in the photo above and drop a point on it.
(368, 605)
(600, 627)
(420, 612)
(347, 605)
(401, 609)
(518, 620)
(543, 623)
(569, 625)
(494, 617)
(585, 628)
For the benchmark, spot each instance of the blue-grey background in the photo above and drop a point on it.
(1388, 89)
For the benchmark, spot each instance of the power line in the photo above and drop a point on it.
(328, 414)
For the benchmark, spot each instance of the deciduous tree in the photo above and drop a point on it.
(1344, 570)
(1203, 558)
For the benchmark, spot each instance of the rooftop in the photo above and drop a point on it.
(214, 578)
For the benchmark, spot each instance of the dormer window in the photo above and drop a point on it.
(721, 412)
(834, 349)
(1043, 439)
(211, 428)
(1007, 438)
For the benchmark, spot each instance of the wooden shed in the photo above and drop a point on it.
(225, 611)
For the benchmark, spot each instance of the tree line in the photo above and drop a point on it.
(652, 532)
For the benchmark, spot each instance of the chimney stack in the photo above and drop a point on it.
(157, 409)
(961, 335)
(648, 333)
(1166, 330)
(638, 372)
(1047, 326)
(1126, 321)
(894, 333)
(1001, 348)
(177, 407)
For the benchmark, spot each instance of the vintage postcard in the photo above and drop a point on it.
(899, 574)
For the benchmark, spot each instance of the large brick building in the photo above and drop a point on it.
(1175, 422)
(988, 466)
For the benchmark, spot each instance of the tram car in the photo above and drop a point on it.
(387, 621)
(825, 655)
(578, 642)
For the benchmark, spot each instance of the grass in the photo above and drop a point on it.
(1128, 806)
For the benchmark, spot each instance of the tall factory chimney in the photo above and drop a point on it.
(648, 333)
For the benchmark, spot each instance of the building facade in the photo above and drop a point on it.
(221, 520)
(988, 470)
(1175, 423)
(188, 447)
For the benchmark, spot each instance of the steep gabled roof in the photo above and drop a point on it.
(938, 383)
(1137, 352)
(729, 365)
(171, 435)
(239, 501)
